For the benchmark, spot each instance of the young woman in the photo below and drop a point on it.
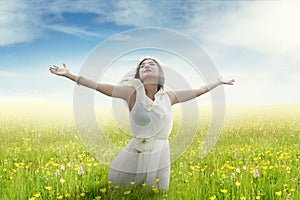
(146, 158)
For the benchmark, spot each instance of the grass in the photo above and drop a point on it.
(40, 154)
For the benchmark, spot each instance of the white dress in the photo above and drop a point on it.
(146, 157)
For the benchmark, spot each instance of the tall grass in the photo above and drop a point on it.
(40, 154)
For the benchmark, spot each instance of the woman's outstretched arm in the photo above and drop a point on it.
(123, 92)
(185, 95)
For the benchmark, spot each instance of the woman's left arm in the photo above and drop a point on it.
(185, 95)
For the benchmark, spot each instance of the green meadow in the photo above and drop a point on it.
(256, 157)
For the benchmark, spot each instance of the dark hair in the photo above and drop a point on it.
(161, 78)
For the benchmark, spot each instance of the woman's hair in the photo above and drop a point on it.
(161, 78)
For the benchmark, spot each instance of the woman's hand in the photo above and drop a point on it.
(59, 71)
(229, 82)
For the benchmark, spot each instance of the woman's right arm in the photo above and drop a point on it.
(123, 92)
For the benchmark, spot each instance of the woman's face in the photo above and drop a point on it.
(148, 68)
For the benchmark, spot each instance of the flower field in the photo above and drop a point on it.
(256, 157)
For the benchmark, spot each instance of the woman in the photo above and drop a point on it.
(146, 158)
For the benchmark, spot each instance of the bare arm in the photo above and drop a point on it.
(123, 92)
(185, 95)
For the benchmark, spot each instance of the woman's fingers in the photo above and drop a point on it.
(231, 81)
(53, 71)
(53, 67)
(59, 71)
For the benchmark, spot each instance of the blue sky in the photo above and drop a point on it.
(255, 42)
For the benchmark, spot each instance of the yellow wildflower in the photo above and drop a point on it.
(48, 188)
(62, 181)
(127, 192)
(103, 190)
(224, 191)
(213, 198)
(156, 190)
(278, 193)
(271, 167)
(67, 195)
(132, 183)
(37, 195)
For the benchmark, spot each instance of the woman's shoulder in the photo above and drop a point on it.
(172, 97)
(132, 82)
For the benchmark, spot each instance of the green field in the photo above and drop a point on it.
(40, 154)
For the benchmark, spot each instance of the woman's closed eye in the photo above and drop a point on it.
(143, 65)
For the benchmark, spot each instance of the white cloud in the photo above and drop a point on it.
(147, 13)
(15, 23)
(23, 21)
(269, 27)
(78, 6)
(72, 30)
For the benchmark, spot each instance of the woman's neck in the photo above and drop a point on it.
(150, 89)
